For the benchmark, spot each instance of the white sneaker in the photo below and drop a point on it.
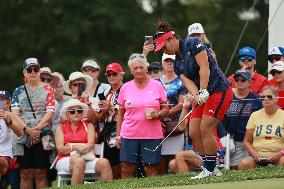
(204, 173)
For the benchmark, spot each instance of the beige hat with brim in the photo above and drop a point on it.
(71, 103)
(78, 75)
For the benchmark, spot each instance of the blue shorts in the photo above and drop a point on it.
(132, 148)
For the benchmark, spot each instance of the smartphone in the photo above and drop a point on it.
(263, 159)
(149, 39)
(101, 96)
(2, 113)
(81, 88)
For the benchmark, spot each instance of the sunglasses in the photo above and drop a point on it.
(136, 57)
(77, 84)
(274, 72)
(249, 59)
(272, 58)
(33, 69)
(158, 34)
(90, 70)
(111, 74)
(270, 97)
(45, 79)
(79, 111)
(242, 79)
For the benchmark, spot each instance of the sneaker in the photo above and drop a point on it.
(216, 172)
(204, 173)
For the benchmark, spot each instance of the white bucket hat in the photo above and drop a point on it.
(71, 103)
(77, 75)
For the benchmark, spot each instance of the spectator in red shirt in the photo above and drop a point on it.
(277, 71)
(275, 54)
(247, 60)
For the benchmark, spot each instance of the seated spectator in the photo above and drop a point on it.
(247, 60)
(77, 131)
(275, 54)
(238, 114)
(264, 139)
(142, 102)
(155, 70)
(277, 71)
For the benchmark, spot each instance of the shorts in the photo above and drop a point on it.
(132, 148)
(239, 154)
(5, 179)
(216, 105)
(112, 155)
(34, 157)
(64, 163)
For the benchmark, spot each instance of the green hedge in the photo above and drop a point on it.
(184, 179)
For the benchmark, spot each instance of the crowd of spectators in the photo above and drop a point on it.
(50, 120)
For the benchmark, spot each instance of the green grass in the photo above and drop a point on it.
(184, 179)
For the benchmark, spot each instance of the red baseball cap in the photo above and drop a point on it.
(161, 40)
(114, 67)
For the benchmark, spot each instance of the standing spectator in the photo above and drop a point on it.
(264, 139)
(78, 86)
(196, 30)
(203, 78)
(175, 94)
(155, 70)
(138, 121)
(92, 68)
(33, 105)
(244, 104)
(108, 115)
(275, 54)
(47, 77)
(247, 60)
(277, 71)
(75, 131)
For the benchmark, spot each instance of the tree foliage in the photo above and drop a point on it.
(63, 33)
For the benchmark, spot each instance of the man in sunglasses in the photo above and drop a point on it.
(237, 116)
(155, 70)
(277, 71)
(33, 105)
(275, 54)
(47, 77)
(247, 61)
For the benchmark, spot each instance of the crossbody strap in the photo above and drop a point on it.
(29, 100)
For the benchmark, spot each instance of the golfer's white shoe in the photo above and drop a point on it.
(205, 173)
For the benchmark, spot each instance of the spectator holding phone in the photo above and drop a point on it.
(33, 105)
(78, 86)
(264, 139)
(108, 115)
(201, 75)
(142, 104)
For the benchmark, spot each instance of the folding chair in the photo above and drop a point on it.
(64, 177)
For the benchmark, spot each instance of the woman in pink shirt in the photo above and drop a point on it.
(68, 135)
(143, 102)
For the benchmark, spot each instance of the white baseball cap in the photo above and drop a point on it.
(91, 63)
(195, 28)
(279, 65)
(275, 51)
(166, 56)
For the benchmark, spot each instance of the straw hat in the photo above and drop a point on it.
(77, 75)
(71, 103)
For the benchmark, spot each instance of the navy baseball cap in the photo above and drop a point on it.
(247, 51)
(245, 73)
(5, 94)
(30, 62)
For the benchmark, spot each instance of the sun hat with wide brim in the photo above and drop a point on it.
(77, 75)
(71, 103)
